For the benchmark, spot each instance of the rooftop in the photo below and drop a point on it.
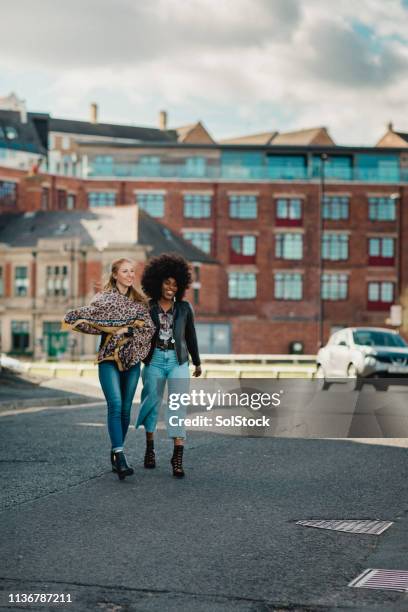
(101, 228)
(112, 130)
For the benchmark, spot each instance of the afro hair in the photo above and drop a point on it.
(165, 266)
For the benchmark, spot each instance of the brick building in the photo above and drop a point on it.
(260, 207)
(52, 261)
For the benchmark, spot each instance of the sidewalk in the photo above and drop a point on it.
(20, 390)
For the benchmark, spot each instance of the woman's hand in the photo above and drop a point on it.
(197, 371)
(121, 331)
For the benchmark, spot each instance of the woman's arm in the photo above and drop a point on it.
(95, 318)
(191, 341)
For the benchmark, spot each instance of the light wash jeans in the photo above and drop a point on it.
(119, 390)
(163, 368)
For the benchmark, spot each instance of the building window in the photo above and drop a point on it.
(334, 287)
(242, 165)
(214, 337)
(201, 240)
(195, 166)
(241, 285)
(21, 281)
(45, 198)
(71, 201)
(381, 251)
(335, 208)
(55, 341)
(152, 203)
(380, 295)
(335, 246)
(288, 286)
(101, 198)
(1, 282)
(8, 193)
(289, 246)
(149, 165)
(51, 327)
(102, 165)
(335, 167)
(197, 206)
(67, 165)
(242, 249)
(61, 199)
(288, 211)
(57, 281)
(20, 336)
(286, 166)
(381, 209)
(196, 285)
(380, 167)
(243, 207)
(65, 142)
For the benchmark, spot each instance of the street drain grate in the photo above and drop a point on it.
(393, 580)
(368, 527)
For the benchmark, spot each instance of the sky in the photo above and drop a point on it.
(239, 66)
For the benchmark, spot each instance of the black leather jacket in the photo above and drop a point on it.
(184, 332)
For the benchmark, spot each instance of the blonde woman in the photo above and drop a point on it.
(120, 314)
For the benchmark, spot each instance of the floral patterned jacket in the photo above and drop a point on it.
(107, 312)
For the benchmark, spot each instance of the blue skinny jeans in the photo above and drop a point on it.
(163, 368)
(119, 390)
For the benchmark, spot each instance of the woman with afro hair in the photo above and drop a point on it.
(165, 281)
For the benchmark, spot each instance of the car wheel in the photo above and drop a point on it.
(320, 376)
(352, 373)
(381, 384)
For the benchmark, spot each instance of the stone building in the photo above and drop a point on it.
(53, 261)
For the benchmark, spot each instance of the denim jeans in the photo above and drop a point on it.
(119, 389)
(163, 368)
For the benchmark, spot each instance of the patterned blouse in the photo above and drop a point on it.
(107, 312)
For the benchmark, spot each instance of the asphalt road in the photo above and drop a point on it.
(223, 539)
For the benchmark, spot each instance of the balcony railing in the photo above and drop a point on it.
(246, 173)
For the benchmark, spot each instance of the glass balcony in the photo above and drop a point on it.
(391, 173)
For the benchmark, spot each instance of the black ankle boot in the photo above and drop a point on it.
(150, 457)
(177, 461)
(122, 467)
(114, 468)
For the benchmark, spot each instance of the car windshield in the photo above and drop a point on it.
(377, 338)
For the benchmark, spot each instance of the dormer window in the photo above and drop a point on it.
(11, 132)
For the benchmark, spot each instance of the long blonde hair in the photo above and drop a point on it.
(132, 293)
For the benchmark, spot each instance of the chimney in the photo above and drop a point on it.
(390, 127)
(94, 113)
(163, 120)
(23, 113)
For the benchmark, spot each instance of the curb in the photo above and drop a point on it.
(49, 401)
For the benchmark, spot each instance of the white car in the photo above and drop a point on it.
(363, 353)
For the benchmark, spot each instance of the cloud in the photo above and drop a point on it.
(340, 55)
(239, 65)
(125, 33)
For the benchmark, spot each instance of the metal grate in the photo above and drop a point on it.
(393, 580)
(350, 526)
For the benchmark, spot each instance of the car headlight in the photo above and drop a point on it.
(370, 360)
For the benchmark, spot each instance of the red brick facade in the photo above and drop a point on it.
(264, 324)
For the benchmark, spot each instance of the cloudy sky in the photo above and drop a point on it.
(241, 66)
